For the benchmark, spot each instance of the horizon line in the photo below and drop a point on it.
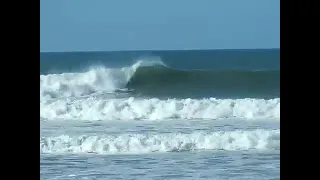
(204, 49)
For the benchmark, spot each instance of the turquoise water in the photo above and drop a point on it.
(211, 114)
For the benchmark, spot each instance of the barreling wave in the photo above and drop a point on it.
(148, 143)
(154, 78)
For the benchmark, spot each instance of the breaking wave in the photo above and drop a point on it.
(96, 108)
(156, 78)
(140, 143)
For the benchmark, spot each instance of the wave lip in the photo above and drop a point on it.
(156, 109)
(139, 143)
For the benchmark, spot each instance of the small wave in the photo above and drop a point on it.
(155, 109)
(140, 143)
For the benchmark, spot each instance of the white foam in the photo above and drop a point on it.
(155, 109)
(98, 79)
(139, 143)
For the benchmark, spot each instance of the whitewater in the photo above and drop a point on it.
(149, 116)
(95, 80)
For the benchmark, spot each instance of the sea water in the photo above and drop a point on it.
(210, 114)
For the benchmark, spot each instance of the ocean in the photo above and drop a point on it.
(192, 114)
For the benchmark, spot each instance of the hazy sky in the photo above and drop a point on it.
(89, 25)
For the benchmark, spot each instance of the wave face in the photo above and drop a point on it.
(154, 78)
(141, 143)
(160, 79)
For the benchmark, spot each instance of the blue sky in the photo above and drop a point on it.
(101, 25)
